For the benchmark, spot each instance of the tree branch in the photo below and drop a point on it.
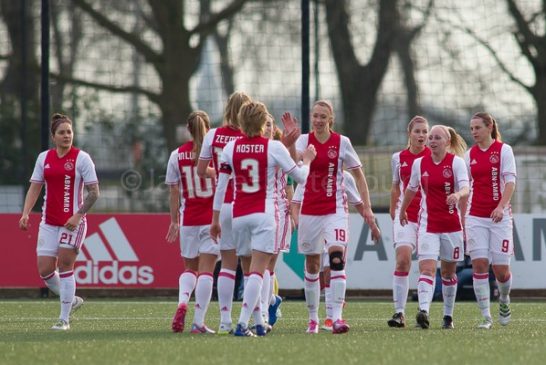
(99, 86)
(523, 26)
(206, 27)
(147, 52)
(490, 49)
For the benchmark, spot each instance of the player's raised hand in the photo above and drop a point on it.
(309, 154)
(289, 122)
(172, 233)
(289, 138)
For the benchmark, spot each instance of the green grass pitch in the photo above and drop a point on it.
(138, 332)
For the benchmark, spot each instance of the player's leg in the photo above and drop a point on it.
(67, 287)
(274, 301)
(186, 284)
(228, 270)
(451, 252)
(502, 248)
(203, 292)
(400, 287)
(325, 264)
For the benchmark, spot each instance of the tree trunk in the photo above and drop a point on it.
(403, 50)
(539, 94)
(359, 85)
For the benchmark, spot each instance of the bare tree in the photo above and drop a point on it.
(359, 84)
(403, 48)
(175, 62)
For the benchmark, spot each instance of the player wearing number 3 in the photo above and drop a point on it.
(253, 160)
(64, 170)
(488, 225)
(443, 182)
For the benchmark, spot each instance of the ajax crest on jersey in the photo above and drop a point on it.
(494, 158)
(447, 173)
(332, 153)
(69, 166)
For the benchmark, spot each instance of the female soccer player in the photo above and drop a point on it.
(214, 142)
(323, 220)
(488, 223)
(254, 160)
(443, 181)
(191, 217)
(64, 170)
(405, 237)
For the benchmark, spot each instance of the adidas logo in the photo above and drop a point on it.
(473, 162)
(46, 166)
(425, 174)
(117, 251)
(404, 164)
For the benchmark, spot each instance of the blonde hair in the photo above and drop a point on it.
(235, 102)
(416, 119)
(489, 120)
(198, 124)
(457, 145)
(253, 116)
(328, 105)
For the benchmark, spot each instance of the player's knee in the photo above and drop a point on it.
(336, 261)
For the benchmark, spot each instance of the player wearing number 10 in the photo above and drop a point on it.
(64, 170)
(191, 213)
(253, 160)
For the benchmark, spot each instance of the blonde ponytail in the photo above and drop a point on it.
(198, 123)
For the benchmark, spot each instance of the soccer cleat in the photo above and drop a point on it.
(225, 329)
(447, 323)
(201, 329)
(340, 326)
(486, 324)
(179, 317)
(328, 324)
(266, 325)
(422, 319)
(273, 310)
(242, 331)
(312, 327)
(61, 325)
(505, 313)
(76, 304)
(398, 320)
(261, 330)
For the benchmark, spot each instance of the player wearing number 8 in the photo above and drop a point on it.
(253, 160)
(488, 224)
(64, 170)
(443, 181)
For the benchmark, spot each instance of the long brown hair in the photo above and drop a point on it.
(198, 124)
(56, 120)
(489, 120)
(235, 102)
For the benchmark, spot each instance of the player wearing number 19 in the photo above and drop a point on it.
(64, 170)
(191, 213)
(253, 160)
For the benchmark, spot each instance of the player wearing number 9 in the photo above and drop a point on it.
(253, 160)
(64, 170)
(488, 226)
(443, 181)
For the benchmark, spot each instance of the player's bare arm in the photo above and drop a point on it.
(30, 200)
(90, 199)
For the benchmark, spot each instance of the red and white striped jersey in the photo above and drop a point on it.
(324, 192)
(213, 144)
(196, 193)
(401, 164)
(253, 162)
(489, 172)
(64, 178)
(437, 181)
(353, 196)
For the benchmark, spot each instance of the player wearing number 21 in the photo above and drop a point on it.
(64, 170)
(253, 160)
(443, 181)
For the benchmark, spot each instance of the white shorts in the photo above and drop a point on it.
(256, 231)
(226, 218)
(195, 240)
(449, 246)
(486, 239)
(316, 231)
(50, 238)
(284, 232)
(404, 235)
